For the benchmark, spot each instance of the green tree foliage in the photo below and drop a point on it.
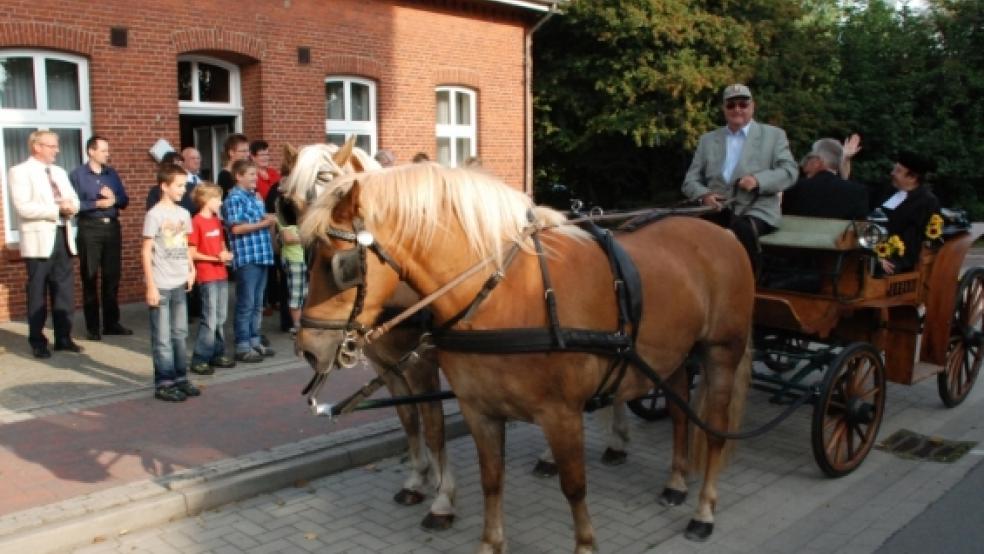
(623, 89)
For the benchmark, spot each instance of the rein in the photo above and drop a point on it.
(616, 344)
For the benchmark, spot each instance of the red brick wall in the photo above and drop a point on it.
(408, 47)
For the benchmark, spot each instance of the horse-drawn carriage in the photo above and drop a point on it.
(455, 235)
(859, 329)
(831, 330)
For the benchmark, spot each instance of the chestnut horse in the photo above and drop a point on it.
(312, 170)
(447, 231)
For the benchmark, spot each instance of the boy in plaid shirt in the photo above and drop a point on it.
(252, 253)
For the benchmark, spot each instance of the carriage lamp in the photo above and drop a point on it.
(869, 234)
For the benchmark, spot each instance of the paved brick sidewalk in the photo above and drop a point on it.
(773, 498)
(81, 434)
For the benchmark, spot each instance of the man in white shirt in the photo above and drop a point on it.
(744, 161)
(45, 203)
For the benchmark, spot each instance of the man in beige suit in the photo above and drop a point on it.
(744, 161)
(45, 203)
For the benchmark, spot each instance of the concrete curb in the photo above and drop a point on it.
(93, 518)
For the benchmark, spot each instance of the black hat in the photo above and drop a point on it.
(915, 163)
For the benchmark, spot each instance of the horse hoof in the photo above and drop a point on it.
(672, 497)
(407, 497)
(613, 457)
(437, 522)
(698, 531)
(545, 469)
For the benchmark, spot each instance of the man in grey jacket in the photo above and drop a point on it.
(744, 161)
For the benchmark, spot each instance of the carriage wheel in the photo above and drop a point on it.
(849, 411)
(964, 353)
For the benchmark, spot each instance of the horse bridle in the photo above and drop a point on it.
(348, 269)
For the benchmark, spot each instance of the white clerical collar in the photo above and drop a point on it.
(896, 199)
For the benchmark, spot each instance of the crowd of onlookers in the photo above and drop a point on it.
(197, 236)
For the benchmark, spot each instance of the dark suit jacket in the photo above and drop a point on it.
(826, 195)
(908, 220)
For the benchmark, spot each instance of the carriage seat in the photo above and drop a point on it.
(797, 231)
(790, 254)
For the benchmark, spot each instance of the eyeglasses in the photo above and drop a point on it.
(732, 104)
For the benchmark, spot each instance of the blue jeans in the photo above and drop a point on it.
(168, 331)
(250, 286)
(210, 343)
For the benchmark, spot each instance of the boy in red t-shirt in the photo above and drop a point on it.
(208, 250)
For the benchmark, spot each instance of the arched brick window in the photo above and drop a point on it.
(41, 90)
(350, 109)
(457, 125)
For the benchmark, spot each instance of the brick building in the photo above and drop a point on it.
(445, 77)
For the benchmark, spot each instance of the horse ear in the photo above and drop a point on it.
(288, 157)
(357, 164)
(345, 152)
(348, 205)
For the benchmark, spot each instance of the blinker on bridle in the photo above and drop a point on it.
(348, 270)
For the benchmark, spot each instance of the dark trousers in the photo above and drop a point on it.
(100, 252)
(53, 274)
(747, 229)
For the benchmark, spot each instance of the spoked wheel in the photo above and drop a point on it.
(964, 351)
(849, 411)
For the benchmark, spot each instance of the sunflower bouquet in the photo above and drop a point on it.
(892, 246)
(934, 229)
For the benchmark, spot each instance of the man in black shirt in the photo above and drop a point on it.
(821, 192)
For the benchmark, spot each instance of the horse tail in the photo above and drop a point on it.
(736, 412)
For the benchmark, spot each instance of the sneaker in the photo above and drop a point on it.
(250, 357)
(264, 340)
(202, 368)
(188, 389)
(170, 394)
(222, 361)
(264, 351)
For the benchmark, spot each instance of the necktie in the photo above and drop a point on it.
(54, 187)
(55, 192)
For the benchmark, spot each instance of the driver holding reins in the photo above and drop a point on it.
(744, 161)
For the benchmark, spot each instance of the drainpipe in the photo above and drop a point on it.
(528, 97)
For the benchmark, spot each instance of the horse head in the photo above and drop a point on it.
(351, 277)
(312, 169)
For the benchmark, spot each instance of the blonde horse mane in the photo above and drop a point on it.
(420, 200)
(316, 167)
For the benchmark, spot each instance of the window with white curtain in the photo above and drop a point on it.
(350, 109)
(40, 90)
(457, 130)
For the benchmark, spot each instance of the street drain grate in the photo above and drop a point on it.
(913, 446)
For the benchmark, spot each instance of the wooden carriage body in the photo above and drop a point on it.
(853, 303)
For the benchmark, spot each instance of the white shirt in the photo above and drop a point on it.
(896, 199)
(733, 147)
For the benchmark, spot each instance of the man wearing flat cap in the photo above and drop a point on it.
(744, 161)
(909, 210)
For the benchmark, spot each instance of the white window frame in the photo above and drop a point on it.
(346, 126)
(195, 106)
(455, 130)
(41, 117)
